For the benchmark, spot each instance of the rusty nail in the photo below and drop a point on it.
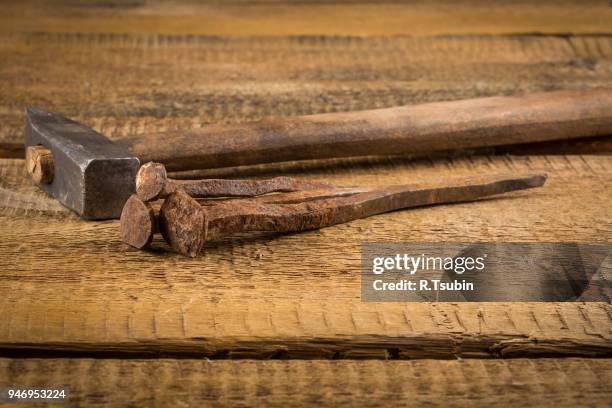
(138, 222)
(152, 183)
(187, 225)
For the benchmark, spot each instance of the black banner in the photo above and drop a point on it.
(486, 272)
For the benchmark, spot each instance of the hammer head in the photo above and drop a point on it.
(92, 176)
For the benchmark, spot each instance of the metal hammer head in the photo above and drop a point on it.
(91, 175)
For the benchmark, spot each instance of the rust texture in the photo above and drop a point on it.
(424, 128)
(187, 225)
(152, 183)
(138, 223)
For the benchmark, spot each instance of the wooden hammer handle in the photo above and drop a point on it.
(471, 123)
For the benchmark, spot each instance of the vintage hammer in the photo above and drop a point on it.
(93, 176)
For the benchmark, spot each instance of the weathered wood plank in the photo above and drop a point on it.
(71, 285)
(133, 84)
(286, 17)
(469, 383)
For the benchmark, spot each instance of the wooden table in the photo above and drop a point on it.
(278, 319)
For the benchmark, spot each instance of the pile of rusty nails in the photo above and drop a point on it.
(197, 211)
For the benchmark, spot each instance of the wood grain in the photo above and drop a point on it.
(463, 383)
(71, 288)
(410, 130)
(286, 17)
(296, 295)
(177, 82)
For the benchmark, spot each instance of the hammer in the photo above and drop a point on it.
(94, 177)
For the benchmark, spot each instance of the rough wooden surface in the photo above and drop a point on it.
(296, 295)
(287, 17)
(463, 383)
(126, 84)
(70, 288)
